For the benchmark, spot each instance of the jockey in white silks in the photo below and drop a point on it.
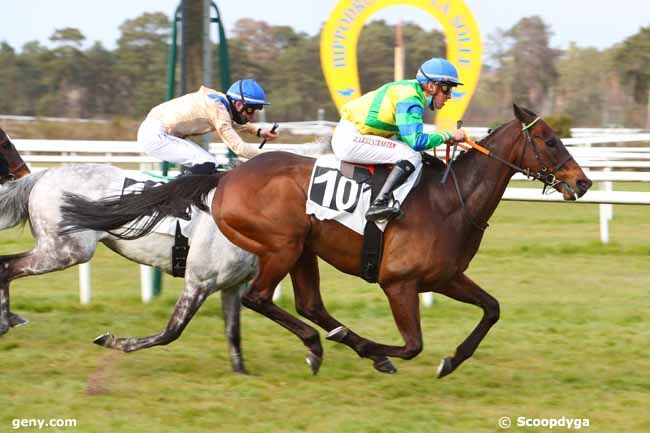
(163, 133)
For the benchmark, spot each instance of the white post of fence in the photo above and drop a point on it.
(604, 225)
(146, 283)
(278, 292)
(84, 283)
(427, 299)
(606, 211)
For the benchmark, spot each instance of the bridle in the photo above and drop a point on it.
(544, 174)
(11, 168)
(11, 176)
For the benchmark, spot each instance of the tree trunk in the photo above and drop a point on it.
(193, 43)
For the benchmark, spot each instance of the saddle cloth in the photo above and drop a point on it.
(135, 182)
(333, 196)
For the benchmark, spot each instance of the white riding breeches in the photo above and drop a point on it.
(351, 145)
(155, 141)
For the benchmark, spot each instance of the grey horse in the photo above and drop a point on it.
(213, 263)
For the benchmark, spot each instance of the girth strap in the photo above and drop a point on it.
(180, 251)
(373, 237)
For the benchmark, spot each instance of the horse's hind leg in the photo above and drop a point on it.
(272, 268)
(306, 287)
(231, 307)
(465, 290)
(186, 306)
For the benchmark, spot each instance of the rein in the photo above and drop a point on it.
(543, 175)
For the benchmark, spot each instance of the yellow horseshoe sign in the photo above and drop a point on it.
(339, 38)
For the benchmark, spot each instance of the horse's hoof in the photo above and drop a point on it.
(238, 367)
(444, 368)
(338, 334)
(241, 371)
(104, 339)
(15, 320)
(314, 362)
(384, 366)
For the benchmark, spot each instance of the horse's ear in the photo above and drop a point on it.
(524, 116)
(530, 112)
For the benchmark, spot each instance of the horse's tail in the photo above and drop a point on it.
(14, 200)
(142, 211)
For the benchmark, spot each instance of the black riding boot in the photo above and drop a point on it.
(380, 209)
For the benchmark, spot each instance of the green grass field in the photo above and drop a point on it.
(573, 341)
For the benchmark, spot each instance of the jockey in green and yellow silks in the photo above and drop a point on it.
(385, 127)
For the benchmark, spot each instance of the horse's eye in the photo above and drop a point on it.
(551, 142)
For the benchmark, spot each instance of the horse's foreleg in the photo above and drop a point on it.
(272, 268)
(465, 290)
(306, 287)
(35, 262)
(7, 318)
(404, 304)
(4, 309)
(231, 307)
(184, 310)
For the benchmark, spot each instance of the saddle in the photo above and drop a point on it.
(341, 191)
(373, 237)
(361, 173)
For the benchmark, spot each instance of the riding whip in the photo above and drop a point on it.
(275, 126)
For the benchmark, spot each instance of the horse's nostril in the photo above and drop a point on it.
(584, 184)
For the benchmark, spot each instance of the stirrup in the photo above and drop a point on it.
(378, 213)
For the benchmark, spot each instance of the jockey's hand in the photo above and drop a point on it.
(268, 135)
(458, 135)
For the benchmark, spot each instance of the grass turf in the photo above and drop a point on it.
(572, 341)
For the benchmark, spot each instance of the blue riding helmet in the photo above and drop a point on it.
(247, 91)
(438, 70)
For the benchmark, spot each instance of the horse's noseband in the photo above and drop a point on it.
(544, 175)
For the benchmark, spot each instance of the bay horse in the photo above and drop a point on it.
(260, 206)
(213, 262)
